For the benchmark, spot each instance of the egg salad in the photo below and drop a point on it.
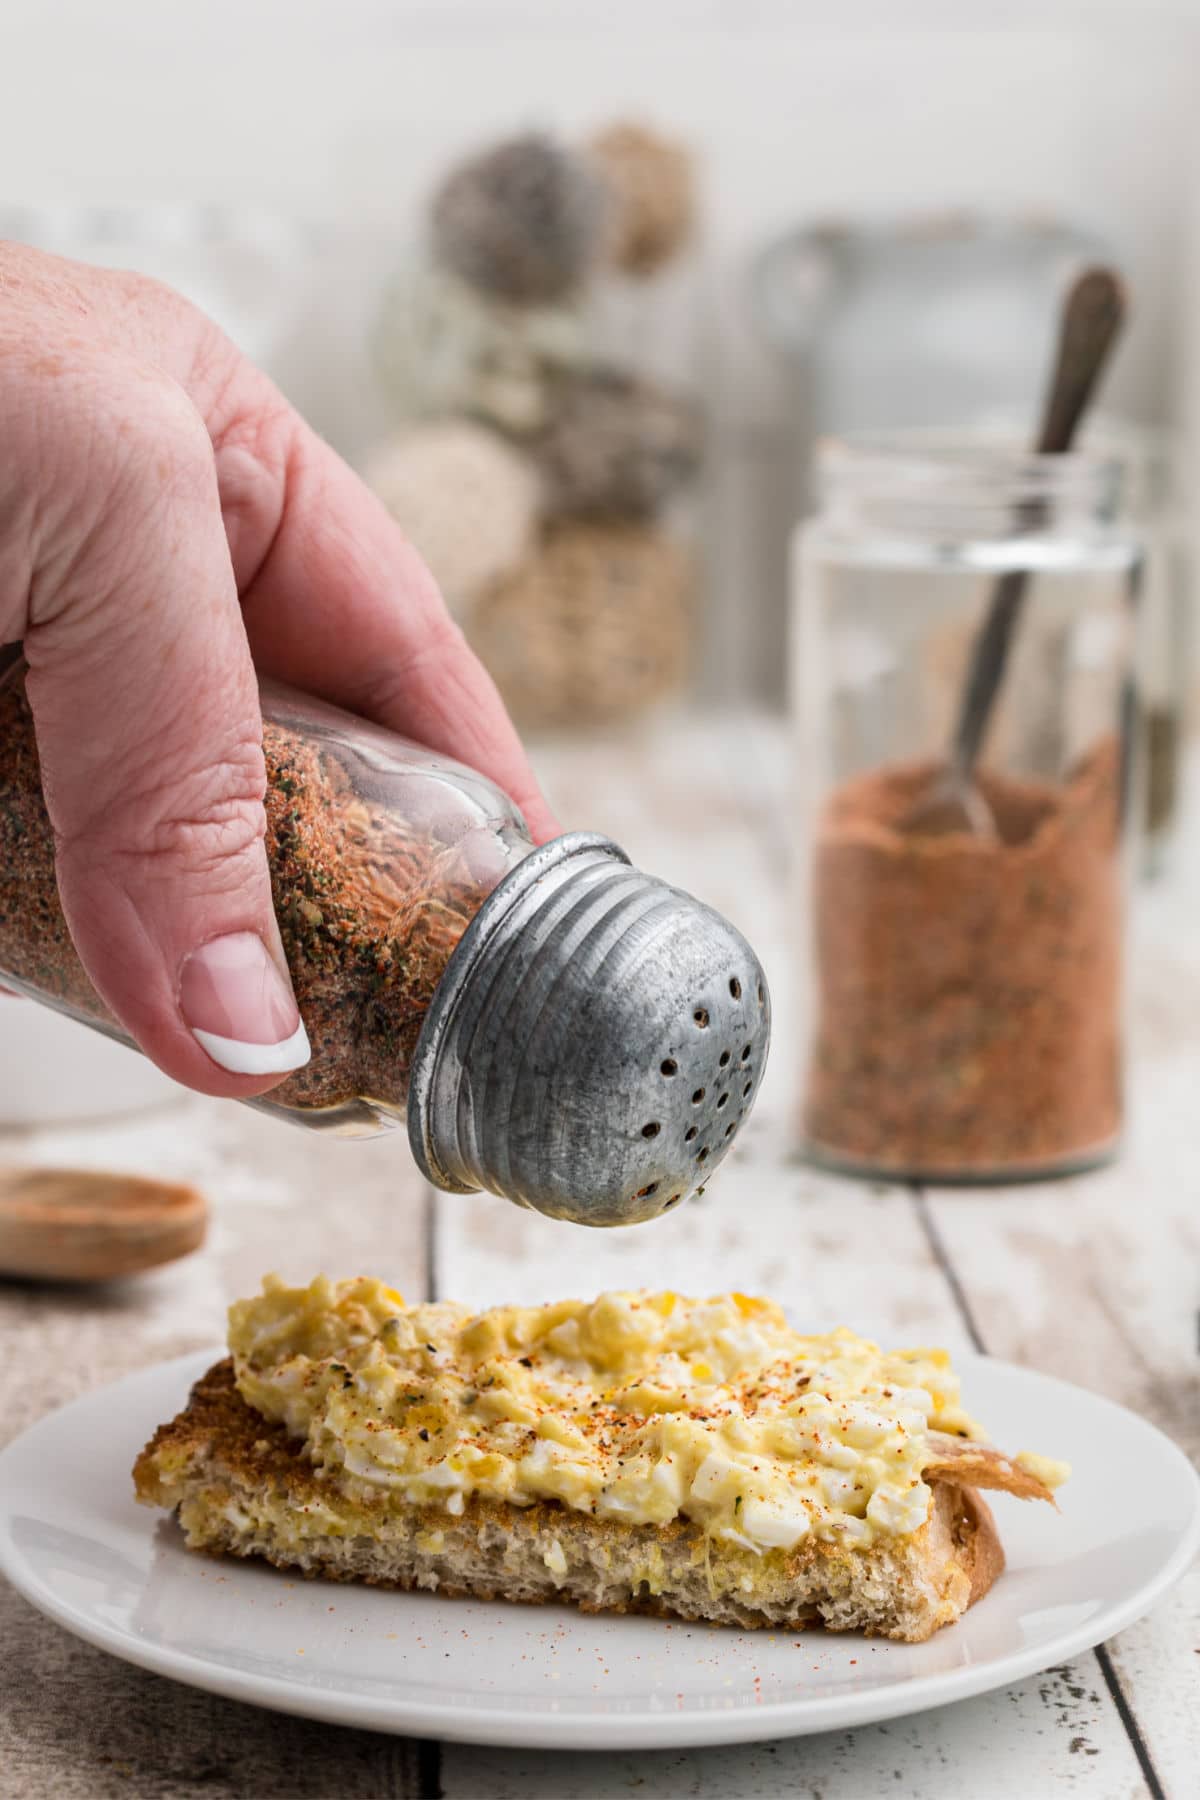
(642, 1407)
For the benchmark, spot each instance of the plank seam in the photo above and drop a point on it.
(431, 1259)
(429, 1770)
(941, 1257)
(1125, 1713)
(429, 1750)
(1133, 1730)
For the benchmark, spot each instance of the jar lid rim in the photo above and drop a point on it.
(948, 466)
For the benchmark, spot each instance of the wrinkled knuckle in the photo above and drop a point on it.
(440, 636)
(254, 420)
(146, 293)
(253, 449)
(386, 693)
(154, 313)
(426, 602)
(117, 428)
(152, 431)
(208, 825)
(213, 845)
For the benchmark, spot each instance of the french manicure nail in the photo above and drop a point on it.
(240, 1009)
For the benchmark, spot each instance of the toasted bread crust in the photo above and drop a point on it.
(974, 1465)
(241, 1487)
(979, 1542)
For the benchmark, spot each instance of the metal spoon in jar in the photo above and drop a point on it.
(1092, 314)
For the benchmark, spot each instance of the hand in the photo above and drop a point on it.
(167, 525)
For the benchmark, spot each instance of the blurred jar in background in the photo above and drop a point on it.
(1153, 504)
(931, 321)
(962, 995)
(548, 441)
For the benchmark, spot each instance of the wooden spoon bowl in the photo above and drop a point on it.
(90, 1225)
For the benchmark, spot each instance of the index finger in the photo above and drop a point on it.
(338, 602)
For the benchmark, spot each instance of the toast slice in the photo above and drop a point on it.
(241, 1486)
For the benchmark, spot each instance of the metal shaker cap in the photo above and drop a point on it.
(595, 1044)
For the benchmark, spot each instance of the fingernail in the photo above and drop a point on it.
(239, 1008)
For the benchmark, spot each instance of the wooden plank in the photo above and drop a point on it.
(76, 1724)
(706, 810)
(703, 807)
(1057, 1735)
(79, 1725)
(832, 1252)
(1096, 1280)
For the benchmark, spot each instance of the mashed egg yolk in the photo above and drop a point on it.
(642, 1407)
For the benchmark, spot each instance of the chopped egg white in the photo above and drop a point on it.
(641, 1407)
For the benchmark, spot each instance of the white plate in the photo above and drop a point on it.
(75, 1543)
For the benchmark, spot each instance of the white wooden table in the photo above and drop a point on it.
(1097, 1280)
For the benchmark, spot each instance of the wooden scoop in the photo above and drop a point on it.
(89, 1225)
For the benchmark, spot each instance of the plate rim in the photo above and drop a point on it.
(638, 1731)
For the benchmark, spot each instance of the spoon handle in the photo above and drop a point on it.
(985, 672)
(1092, 314)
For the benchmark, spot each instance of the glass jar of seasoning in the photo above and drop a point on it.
(549, 1022)
(1155, 505)
(1155, 502)
(961, 1003)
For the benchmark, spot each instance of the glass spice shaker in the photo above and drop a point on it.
(551, 1023)
(961, 1006)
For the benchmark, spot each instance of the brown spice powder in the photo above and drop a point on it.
(369, 909)
(969, 988)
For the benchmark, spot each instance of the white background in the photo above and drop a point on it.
(346, 111)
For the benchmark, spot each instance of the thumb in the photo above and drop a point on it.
(146, 710)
